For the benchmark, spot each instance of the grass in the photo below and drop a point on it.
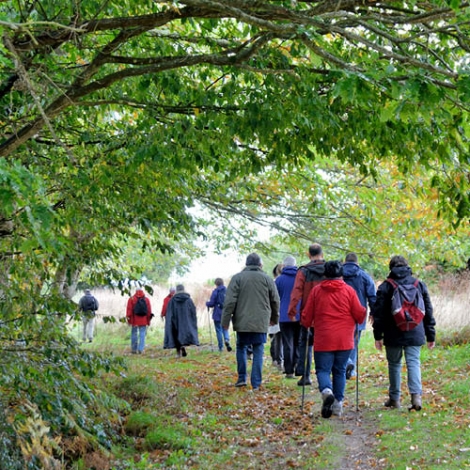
(186, 414)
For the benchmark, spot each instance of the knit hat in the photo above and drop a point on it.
(180, 288)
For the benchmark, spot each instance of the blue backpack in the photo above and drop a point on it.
(220, 299)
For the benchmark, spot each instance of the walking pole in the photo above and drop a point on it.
(357, 367)
(210, 329)
(305, 370)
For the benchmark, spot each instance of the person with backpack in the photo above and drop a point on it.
(217, 303)
(139, 315)
(181, 323)
(403, 321)
(88, 305)
(362, 283)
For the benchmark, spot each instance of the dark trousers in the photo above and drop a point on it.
(305, 348)
(290, 344)
(275, 348)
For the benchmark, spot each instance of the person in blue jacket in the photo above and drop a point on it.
(364, 286)
(217, 303)
(290, 329)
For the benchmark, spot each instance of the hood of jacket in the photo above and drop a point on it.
(181, 297)
(400, 272)
(139, 293)
(316, 266)
(332, 285)
(289, 271)
(351, 269)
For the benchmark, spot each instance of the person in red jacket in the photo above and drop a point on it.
(139, 315)
(333, 309)
(166, 300)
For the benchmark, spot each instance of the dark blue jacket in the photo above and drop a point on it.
(362, 283)
(384, 325)
(285, 283)
(213, 302)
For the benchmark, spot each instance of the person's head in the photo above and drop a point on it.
(289, 261)
(333, 269)
(351, 258)
(219, 282)
(172, 290)
(315, 251)
(87, 291)
(277, 269)
(179, 288)
(397, 261)
(253, 259)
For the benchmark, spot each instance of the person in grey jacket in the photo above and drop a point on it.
(251, 304)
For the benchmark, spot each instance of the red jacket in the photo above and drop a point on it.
(333, 309)
(165, 304)
(136, 320)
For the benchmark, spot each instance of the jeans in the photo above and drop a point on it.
(413, 368)
(223, 336)
(138, 338)
(306, 337)
(332, 363)
(353, 356)
(290, 344)
(88, 328)
(256, 366)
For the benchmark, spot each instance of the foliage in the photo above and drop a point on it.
(119, 119)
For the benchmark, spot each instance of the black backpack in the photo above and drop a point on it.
(140, 307)
(220, 299)
(89, 304)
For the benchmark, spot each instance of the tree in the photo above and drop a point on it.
(118, 118)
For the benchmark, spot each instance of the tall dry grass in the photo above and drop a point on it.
(451, 301)
(450, 297)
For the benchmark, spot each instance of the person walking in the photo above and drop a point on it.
(274, 333)
(88, 305)
(362, 283)
(290, 329)
(397, 342)
(166, 300)
(139, 315)
(333, 310)
(307, 277)
(217, 303)
(251, 304)
(181, 323)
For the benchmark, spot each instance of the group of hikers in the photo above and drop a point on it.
(312, 313)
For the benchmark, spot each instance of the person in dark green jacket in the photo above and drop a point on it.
(251, 304)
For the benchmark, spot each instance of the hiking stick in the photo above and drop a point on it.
(210, 329)
(305, 371)
(357, 367)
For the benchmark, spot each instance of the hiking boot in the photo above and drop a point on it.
(227, 345)
(337, 408)
(240, 383)
(391, 403)
(415, 402)
(349, 370)
(183, 351)
(327, 405)
(290, 376)
(304, 381)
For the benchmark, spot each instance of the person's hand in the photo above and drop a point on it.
(379, 345)
(431, 344)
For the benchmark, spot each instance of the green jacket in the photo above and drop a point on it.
(251, 301)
